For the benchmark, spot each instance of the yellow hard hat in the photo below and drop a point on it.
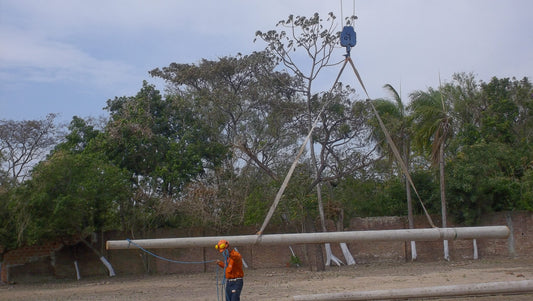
(222, 245)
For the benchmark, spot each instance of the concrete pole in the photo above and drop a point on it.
(512, 287)
(430, 234)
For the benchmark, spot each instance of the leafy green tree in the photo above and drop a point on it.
(508, 111)
(489, 170)
(69, 195)
(251, 108)
(464, 93)
(482, 180)
(164, 146)
(526, 189)
(81, 134)
(261, 188)
(8, 236)
(371, 197)
(22, 145)
(434, 127)
(160, 141)
(497, 111)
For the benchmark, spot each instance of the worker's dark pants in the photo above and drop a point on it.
(233, 289)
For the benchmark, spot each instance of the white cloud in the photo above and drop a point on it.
(30, 56)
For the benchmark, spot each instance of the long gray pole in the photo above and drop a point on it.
(429, 234)
(511, 287)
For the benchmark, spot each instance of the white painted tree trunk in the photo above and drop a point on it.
(446, 251)
(102, 258)
(108, 266)
(294, 255)
(330, 257)
(347, 254)
(78, 277)
(413, 250)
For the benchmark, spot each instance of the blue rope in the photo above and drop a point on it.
(218, 285)
(225, 254)
(221, 283)
(166, 259)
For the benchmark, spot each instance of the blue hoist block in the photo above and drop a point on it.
(348, 37)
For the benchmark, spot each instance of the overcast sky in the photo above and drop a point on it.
(69, 57)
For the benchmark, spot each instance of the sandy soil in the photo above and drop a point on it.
(283, 284)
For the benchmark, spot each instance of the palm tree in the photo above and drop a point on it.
(394, 115)
(433, 127)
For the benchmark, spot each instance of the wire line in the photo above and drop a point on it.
(166, 259)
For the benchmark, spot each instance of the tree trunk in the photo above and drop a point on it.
(409, 201)
(101, 257)
(443, 197)
(344, 247)
(318, 193)
(329, 255)
(315, 256)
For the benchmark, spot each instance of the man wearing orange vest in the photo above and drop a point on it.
(232, 266)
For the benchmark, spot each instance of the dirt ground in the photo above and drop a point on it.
(284, 283)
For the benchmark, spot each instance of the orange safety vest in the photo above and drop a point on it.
(234, 267)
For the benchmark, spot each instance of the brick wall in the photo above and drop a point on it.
(57, 261)
(34, 257)
(365, 252)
